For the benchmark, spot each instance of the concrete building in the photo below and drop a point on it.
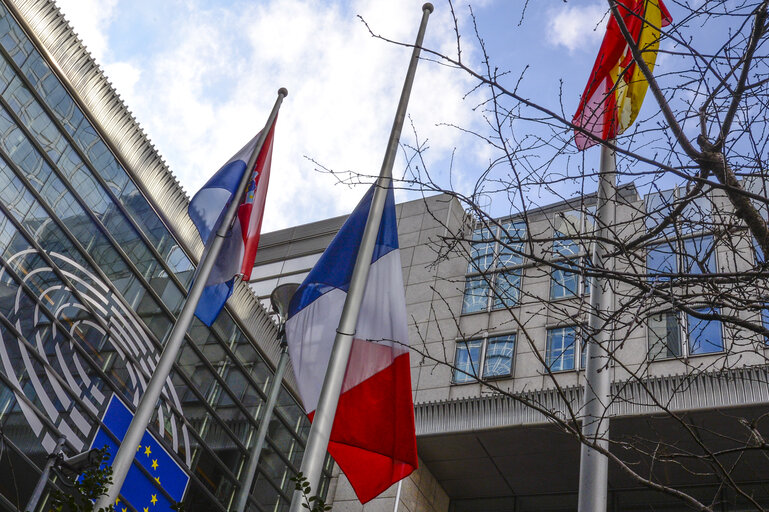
(507, 301)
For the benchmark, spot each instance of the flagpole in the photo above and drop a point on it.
(280, 299)
(320, 431)
(127, 451)
(594, 466)
(253, 459)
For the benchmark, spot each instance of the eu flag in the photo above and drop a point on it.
(163, 478)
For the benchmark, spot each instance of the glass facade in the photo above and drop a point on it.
(91, 280)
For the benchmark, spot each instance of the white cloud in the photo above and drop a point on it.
(205, 95)
(577, 26)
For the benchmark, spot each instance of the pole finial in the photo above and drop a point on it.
(283, 91)
(428, 7)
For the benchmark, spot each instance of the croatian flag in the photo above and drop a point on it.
(373, 438)
(239, 250)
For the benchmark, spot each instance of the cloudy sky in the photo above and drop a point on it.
(201, 76)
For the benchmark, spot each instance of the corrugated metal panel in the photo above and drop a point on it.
(728, 388)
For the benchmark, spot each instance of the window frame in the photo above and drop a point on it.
(578, 260)
(485, 277)
(684, 328)
(679, 235)
(460, 378)
(579, 347)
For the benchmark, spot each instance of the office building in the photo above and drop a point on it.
(506, 300)
(96, 255)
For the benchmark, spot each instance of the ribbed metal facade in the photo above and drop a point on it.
(676, 393)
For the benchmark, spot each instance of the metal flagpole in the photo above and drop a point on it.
(256, 451)
(280, 299)
(594, 466)
(320, 431)
(127, 451)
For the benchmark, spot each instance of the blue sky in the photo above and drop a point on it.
(201, 76)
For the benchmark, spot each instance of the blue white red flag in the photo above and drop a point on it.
(206, 211)
(373, 438)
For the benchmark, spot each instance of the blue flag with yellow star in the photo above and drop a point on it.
(155, 481)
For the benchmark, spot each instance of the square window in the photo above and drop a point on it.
(664, 336)
(704, 335)
(476, 295)
(467, 361)
(507, 289)
(499, 356)
(560, 348)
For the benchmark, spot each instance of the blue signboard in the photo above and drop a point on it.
(144, 490)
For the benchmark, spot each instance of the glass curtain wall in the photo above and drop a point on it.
(90, 283)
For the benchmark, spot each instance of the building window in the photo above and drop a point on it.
(467, 363)
(694, 255)
(571, 253)
(495, 268)
(704, 335)
(664, 336)
(562, 344)
(494, 355)
(685, 248)
(701, 336)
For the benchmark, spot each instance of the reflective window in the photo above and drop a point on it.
(493, 355)
(664, 336)
(565, 283)
(498, 361)
(698, 256)
(694, 255)
(561, 347)
(571, 253)
(476, 296)
(704, 334)
(495, 267)
(467, 361)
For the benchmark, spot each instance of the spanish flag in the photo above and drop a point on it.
(616, 87)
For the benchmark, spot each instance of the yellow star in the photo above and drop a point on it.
(154, 499)
(147, 451)
(139, 448)
(125, 509)
(154, 463)
(157, 479)
(117, 501)
(146, 509)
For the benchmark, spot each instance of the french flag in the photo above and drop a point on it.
(373, 438)
(206, 211)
